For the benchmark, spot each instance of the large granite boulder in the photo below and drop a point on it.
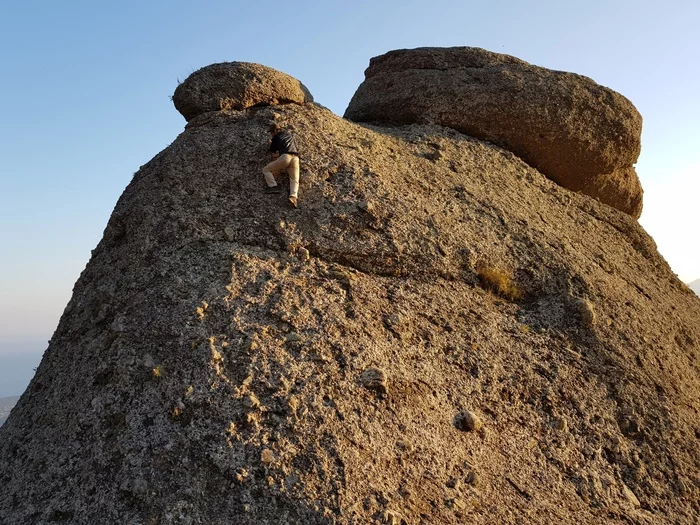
(583, 136)
(236, 85)
(457, 341)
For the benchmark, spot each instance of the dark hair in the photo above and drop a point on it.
(274, 128)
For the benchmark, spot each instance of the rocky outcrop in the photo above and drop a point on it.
(236, 85)
(582, 135)
(437, 335)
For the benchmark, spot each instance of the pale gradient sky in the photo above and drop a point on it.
(85, 89)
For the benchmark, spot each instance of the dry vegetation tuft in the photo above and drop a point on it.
(499, 281)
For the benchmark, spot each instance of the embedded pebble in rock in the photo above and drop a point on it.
(393, 321)
(682, 487)
(561, 424)
(366, 206)
(251, 401)
(374, 379)
(456, 503)
(267, 456)
(468, 421)
(292, 337)
(230, 233)
(453, 483)
(391, 517)
(140, 486)
(406, 447)
(631, 497)
(584, 309)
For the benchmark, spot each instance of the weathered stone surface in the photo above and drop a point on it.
(236, 85)
(374, 379)
(468, 421)
(620, 189)
(583, 136)
(257, 414)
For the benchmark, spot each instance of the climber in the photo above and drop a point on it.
(285, 155)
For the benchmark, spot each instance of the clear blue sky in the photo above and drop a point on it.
(84, 101)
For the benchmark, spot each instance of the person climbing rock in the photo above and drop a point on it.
(285, 154)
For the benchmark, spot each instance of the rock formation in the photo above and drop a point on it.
(438, 335)
(236, 85)
(579, 134)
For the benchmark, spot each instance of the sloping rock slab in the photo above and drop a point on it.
(226, 359)
(236, 85)
(583, 136)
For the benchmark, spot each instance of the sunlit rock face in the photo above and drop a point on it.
(438, 334)
(236, 85)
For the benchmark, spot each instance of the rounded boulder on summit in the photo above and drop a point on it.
(582, 135)
(236, 85)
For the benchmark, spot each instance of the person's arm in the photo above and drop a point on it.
(274, 144)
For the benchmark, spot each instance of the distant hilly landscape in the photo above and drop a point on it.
(695, 286)
(6, 404)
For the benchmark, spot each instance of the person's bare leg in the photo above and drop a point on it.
(293, 172)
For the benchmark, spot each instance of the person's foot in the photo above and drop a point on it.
(293, 202)
(272, 189)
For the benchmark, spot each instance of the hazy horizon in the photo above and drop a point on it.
(18, 360)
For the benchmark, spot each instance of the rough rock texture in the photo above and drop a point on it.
(581, 135)
(236, 85)
(227, 360)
